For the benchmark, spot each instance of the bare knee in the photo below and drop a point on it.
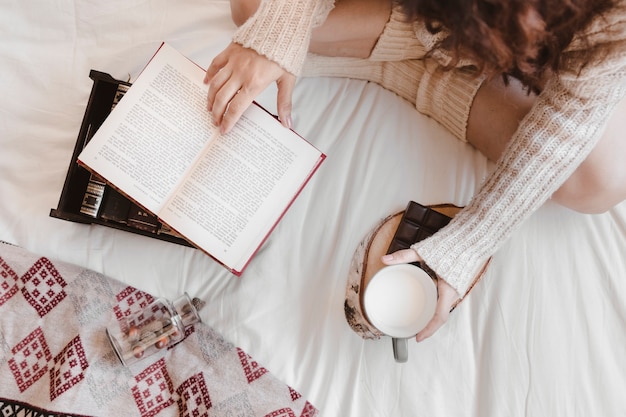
(241, 10)
(593, 189)
(599, 183)
(593, 198)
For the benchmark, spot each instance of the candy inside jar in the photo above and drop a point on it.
(156, 327)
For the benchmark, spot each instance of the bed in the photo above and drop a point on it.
(543, 333)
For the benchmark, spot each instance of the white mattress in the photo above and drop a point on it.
(542, 334)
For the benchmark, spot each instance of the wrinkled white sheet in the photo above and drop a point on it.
(543, 333)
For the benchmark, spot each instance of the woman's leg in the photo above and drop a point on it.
(496, 112)
(351, 29)
(241, 10)
(598, 184)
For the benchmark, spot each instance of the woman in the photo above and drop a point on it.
(554, 74)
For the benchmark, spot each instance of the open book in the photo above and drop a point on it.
(223, 193)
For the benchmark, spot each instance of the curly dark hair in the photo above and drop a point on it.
(520, 38)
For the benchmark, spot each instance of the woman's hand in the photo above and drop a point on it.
(236, 77)
(446, 298)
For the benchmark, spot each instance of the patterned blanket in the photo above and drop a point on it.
(55, 358)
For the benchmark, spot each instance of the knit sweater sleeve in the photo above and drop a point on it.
(559, 132)
(281, 30)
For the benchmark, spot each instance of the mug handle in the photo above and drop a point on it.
(400, 349)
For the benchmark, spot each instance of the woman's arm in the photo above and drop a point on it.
(558, 133)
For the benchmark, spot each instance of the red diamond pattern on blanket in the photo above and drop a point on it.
(68, 369)
(193, 397)
(30, 359)
(251, 368)
(283, 412)
(51, 355)
(43, 286)
(295, 395)
(8, 282)
(309, 410)
(131, 301)
(152, 389)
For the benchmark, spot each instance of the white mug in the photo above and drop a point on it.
(399, 301)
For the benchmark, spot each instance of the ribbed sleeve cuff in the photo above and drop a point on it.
(457, 268)
(281, 30)
(447, 97)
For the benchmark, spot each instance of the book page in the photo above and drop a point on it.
(241, 186)
(223, 193)
(155, 133)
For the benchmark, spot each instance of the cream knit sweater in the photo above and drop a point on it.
(560, 130)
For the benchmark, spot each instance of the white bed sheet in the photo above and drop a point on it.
(542, 334)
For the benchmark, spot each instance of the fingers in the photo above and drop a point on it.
(441, 311)
(236, 76)
(216, 76)
(233, 110)
(227, 99)
(222, 89)
(224, 98)
(438, 320)
(229, 104)
(447, 297)
(401, 257)
(216, 65)
(284, 99)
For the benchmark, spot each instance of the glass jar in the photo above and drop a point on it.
(159, 325)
